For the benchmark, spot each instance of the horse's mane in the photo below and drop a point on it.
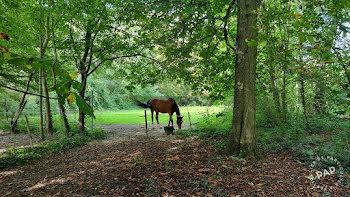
(175, 107)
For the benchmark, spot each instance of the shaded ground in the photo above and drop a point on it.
(131, 163)
(17, 141)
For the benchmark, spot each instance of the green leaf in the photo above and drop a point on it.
(83, 106)
(310, 38)
(263, 43)
(225, 166)
(17, 61)
(251, 43)
(77, 85)
(302, 38)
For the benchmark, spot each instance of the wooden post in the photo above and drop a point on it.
(29, 133)
(92, 107)
(146, 119)
(189, 119)
(6, 110)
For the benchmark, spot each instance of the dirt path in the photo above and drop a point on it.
(131, 163)
(122, 132)
(116, 132)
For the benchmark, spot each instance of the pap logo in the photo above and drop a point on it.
(326, 173)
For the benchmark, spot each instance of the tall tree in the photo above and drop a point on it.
(243, 138)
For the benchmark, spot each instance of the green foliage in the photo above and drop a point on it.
(21, 156)
(97, 134)
(213, 126)
(325, 135)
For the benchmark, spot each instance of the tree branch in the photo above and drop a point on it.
(25, 92)
(10, 75)
(226, 17)
(114, 58)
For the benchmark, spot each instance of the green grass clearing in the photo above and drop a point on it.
(135, 116)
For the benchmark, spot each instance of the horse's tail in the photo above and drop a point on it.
(143, 105)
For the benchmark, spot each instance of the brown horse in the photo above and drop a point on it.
(163, 106)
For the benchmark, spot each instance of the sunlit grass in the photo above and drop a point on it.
(138, 116)
(118, 117)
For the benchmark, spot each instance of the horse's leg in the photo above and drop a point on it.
(157, 114)
(152, 115)
(170, 120)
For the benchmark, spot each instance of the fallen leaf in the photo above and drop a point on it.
(260, 184)
(204, 170)
(310, 177)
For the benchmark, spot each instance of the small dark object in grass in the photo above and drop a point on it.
(169, 130)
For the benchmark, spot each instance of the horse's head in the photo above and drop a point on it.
(179, 121)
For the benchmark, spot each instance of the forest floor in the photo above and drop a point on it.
(132, 163)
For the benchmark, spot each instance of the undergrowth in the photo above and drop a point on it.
(61, 143)
(322, 136)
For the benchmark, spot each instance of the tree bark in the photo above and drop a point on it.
(242, 141)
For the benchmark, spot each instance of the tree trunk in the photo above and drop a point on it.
(20, 106)
(81, 126)
(41, 125)
(302, 93)
(48, 124)
(243, 141)
(284, 95)
(6, 110)
(44, 40)
(60, 97)
(275, 94)
(319, 100)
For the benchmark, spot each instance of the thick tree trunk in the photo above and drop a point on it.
(243, 141)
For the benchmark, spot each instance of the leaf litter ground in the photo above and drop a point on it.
(130, 163)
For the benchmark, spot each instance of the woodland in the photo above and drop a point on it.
(267, 83)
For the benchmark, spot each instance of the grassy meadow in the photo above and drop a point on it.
(135, 116)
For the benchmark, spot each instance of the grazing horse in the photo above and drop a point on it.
(163, 106)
